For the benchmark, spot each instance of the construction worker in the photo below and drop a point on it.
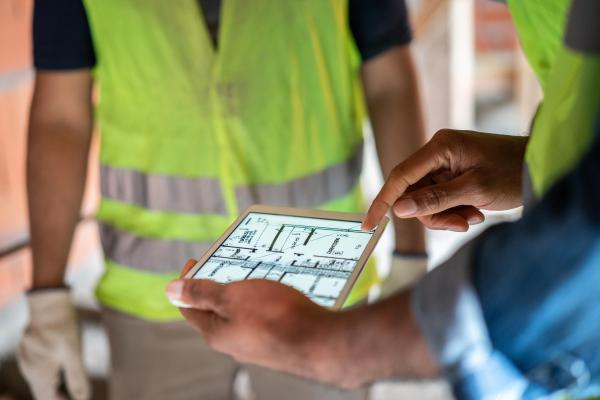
(514, 313)
(204, 107)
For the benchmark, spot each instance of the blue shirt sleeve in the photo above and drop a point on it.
(61, 36)
(514, 313)
(379, 25)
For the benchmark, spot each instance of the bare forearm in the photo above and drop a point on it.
(392, 96)
(57, 156)
(381, 341)
(56, 170)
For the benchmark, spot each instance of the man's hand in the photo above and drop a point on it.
(454, 176)
(272, 325)
(256, 321)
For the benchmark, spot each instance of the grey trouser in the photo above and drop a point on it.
(169, 360)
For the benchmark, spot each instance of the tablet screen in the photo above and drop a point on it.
(314, 255)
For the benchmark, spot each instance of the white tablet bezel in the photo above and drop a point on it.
(298, 212)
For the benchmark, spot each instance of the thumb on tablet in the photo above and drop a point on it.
(173, 293)
(201, 294)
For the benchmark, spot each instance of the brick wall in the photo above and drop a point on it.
(494, 30)
(15, 91)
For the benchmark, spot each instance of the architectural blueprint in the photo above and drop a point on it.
(316, 256)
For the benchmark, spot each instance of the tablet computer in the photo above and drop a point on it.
(319, 253)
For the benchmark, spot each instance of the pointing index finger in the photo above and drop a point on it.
(405, 174)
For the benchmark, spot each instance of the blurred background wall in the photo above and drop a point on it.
(15, 88)
(473, 76)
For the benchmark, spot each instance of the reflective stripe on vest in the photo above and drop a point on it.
(162, 192)
(310, 191)
(147, 254)
(165, 255)
(204, 196)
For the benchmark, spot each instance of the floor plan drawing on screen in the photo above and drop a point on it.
(314, 255)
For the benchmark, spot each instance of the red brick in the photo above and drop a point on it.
(15, 34)
(494, 29)
(15, 55)
(14, 107)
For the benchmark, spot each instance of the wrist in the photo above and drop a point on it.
(389, 343)
(45, 276)
(420, 254)
(330, 351)
(349, 347)
(48, 289)
(409, 235)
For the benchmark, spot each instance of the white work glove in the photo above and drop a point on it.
(405, 270)
(50, 346)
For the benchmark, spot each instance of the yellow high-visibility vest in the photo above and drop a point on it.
(565, 122)
(190, 135)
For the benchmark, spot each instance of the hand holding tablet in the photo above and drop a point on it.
(319, 253)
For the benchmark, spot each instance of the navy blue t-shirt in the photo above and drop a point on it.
(62, 38)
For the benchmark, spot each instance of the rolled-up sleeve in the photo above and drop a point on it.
(514, 313)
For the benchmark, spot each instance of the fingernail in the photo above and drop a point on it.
(174, 290)
(476, 219)
(405, 207)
